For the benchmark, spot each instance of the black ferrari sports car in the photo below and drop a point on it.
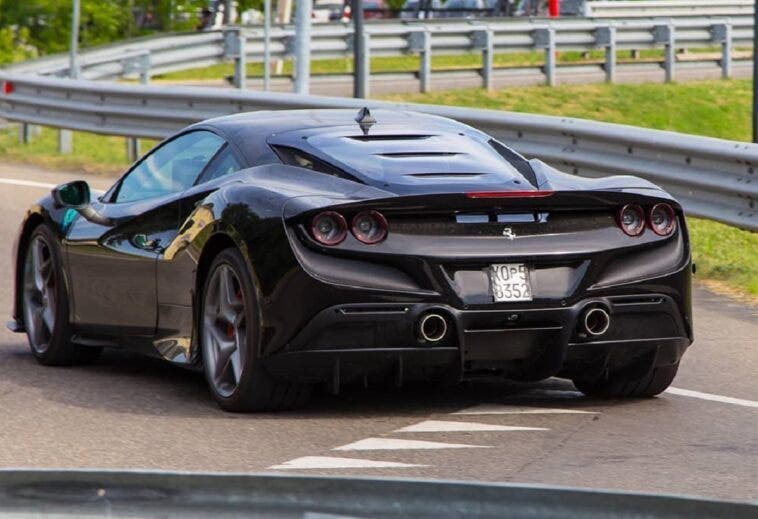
(277, 250)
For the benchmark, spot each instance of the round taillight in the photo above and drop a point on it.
(329, 228)
(662, 219)
(632, 219)
(369, 227)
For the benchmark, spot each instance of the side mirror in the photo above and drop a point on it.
(75, 195)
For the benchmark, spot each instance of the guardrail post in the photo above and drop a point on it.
(234, 48)
(484, 40)
(421, 42)
(665, 34)
(606, 36)
(24, 133)
(132, 149)
(545, 38)
(363, 66)
(722, 33)
(65, 142)
(141, 65)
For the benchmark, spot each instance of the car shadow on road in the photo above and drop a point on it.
(123, 382)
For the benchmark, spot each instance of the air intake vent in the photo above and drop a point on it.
(369, 138)
(642, 300)
(414, 154)
(438, 175)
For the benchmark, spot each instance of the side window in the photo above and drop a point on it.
(295, 157)
(222, 164)
(171, 168)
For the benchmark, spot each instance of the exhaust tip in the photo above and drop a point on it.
(596, 321)
(432, 327)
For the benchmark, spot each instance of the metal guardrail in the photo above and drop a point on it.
(425, 39)
(712, 178)
(108, 493)
(666, 8)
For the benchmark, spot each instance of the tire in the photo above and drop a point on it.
(229, 336)
(45, 304)
(654, 382)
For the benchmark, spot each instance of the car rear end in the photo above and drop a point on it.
(524, 284)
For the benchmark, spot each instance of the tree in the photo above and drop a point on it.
(14, 45)
(48, 22)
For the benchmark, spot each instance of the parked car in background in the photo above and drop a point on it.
(372, 10)
(464, 9)
(325, 11)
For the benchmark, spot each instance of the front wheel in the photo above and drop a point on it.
(229, 332)
(46, 306)
(652, 383)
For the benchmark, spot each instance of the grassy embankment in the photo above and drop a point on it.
(725, 255)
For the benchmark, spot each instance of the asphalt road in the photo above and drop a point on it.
(130, 412)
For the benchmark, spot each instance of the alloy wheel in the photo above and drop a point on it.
(39, 294)
(224, 330)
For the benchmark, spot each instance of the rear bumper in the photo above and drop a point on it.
(381, 340)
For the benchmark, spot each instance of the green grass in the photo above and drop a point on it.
(725, 254)
(96, 154)
(713, 108)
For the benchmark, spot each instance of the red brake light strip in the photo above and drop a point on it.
(509, 194)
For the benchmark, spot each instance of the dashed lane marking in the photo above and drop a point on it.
(27, 183)
(512, 409)
(379, 444)
(712, 397)
(326, 462)
(444, 426)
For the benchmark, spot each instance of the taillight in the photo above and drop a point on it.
(369, 227)
(662, 219)
(329, 228)
(631, 219)
(7, 87)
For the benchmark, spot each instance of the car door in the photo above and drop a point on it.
(112, 263)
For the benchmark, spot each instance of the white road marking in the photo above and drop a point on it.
(443, 426)
(712, 397)
(513, 409)
(27, 183)
(380, 444)
(326, 462)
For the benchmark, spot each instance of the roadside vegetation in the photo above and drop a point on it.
(712, 108)
(37, 27)
(726, 256)
(93, 154)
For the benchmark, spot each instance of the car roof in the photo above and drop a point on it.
(399, 150)
(266, 123)
(251, 132)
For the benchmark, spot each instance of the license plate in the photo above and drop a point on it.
(510, 282)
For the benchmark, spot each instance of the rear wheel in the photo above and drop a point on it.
(230, 335)
(654, 382)
(46, 306)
